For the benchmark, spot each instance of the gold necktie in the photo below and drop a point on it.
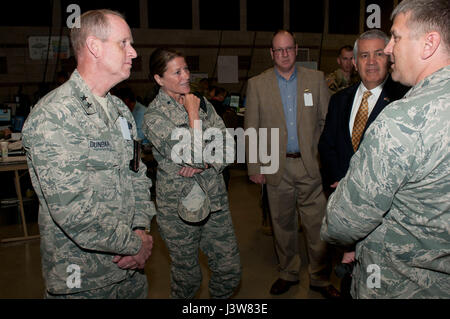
(360, 120)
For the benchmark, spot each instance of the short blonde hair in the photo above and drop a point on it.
(426, 16)
(93, 22)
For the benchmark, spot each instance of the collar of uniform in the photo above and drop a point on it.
(83, 93)
(87, 99)
(171, 105)
(114, 111)
(340, 72)
(434, 78)
(167, 100)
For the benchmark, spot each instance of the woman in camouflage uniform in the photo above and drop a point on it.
(191, 197)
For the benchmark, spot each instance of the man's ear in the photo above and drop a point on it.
(431, 43)
(354, 63)
(158, 79)
(93, 45)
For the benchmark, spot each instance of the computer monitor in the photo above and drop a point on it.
(17, 123)
(5, 116)
(234, 100)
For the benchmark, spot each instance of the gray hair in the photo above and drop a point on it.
(371, 34)
(426, 16)
(93, 22)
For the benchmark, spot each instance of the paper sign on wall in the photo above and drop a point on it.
(39, 45)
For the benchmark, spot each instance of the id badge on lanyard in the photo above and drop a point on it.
(125, 129)
(134, 163)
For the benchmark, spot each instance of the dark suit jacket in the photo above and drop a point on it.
(335, 145)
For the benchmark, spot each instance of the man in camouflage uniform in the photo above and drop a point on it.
(193, 211)
(94, 208)
(395, 197)
(346, 75)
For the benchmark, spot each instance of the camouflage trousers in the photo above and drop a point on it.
(134, 287)
(215, 237)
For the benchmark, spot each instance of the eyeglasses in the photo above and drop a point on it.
(285, 50)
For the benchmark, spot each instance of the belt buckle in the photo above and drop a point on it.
(293, 155)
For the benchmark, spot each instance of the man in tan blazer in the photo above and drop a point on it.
(293, 100)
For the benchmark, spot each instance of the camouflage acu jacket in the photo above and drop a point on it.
(164, 115)
(89, 199)
(336, 80)
(395, 198)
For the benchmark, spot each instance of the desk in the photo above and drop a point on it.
(17, 163)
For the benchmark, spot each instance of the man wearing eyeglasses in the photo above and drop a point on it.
(293, 100)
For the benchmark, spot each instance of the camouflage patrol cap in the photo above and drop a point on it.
(193, 204)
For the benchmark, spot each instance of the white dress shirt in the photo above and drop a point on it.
(372, 100)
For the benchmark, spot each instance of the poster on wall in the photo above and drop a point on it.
(38, 46)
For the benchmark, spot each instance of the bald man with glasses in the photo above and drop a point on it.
(293, 100)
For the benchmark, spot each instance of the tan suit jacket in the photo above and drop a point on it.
(264, 109)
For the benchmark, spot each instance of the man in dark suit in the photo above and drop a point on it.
(336, 146)
(353, 109)
(293, 101)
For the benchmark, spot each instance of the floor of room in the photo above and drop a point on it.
(20, 267)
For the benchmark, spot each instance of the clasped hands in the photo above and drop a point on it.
(137, 261)
(187, 171)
